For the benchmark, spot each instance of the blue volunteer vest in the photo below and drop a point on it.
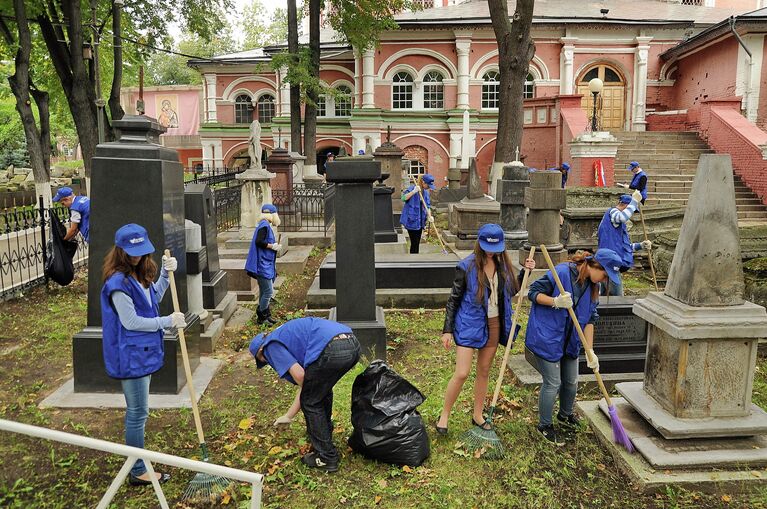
(635, 183)
(129, 354)
(616, 239)
(82, 204)
(470, 327)
(305, 338)
(413, 215)
(550, 332)
(261, 262)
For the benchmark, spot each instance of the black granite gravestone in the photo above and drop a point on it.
(134, 180)
(199, 207)
(395, 271)
(384, 217)
(355, 253)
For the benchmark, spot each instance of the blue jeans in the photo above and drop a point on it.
(558, 378)
(136, 392)
(265, 291)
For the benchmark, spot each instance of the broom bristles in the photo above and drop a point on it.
(620, 436)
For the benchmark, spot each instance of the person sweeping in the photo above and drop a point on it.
(478, 316)
(415, 212)
(554, 341)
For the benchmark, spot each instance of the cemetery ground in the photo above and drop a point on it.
(241, 403)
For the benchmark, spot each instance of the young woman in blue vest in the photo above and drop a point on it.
(478, 317)
(638, 181)
(79, 212)
(133, 329)
(262, 261)
(613, 234)
(415, 217)
(553, 339)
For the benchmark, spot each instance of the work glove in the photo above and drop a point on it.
(636, 196)
(563, 301)
(283, 420)
(276, 247)
(431, 218)
(177, 320)
(619, 184)
(169, 263)
(592, 361)
(646, 245)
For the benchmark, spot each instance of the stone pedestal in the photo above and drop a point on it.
(467, 216)
(196, 259)
(454, 191)
(355, 274)
(281, 164)
(585, 150)
(390, 157)
(256, 190)
(545, 198)
(511, 196)
(200, 208)
(298, 167)
(152, 173)
(384, 216)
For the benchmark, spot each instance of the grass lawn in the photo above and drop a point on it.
(241, 403)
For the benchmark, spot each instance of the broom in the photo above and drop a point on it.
(423, 202)
(619, 432)
(479, 438)
(202, 486)
(649, 252)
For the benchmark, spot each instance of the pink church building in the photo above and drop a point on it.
(665, 65)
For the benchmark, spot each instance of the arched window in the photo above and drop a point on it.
(529, 92)
(344, 101)
(433, 91)
(322, 105)
(402, 91)
(243, 109)
(265, 108)
(491, 84)
(416, 168)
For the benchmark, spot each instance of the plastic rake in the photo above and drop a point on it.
(619, 432)
(483, 441)
(202, 487)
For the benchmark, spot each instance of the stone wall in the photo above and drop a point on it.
(755, 275)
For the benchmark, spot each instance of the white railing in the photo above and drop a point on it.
(132, 454)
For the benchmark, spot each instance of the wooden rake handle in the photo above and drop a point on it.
(649, 251)
(185, 356)
(521, 294)
(577, 325)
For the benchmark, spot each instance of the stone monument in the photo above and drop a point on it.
(390, 157)
(355, 253)
(256, 188)
(466, 216)
(384, 216)
(511, 196)
(544, 198)
(135, 180)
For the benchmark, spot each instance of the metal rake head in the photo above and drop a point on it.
(205, 487)
(483, 443)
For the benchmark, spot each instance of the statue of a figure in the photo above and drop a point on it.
(254, 144)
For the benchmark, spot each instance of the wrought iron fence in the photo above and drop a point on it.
(24, 232)
(214, 177)
(226, 202)
(305, 207)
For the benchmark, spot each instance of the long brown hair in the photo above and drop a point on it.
(117, 260)
(581, 260)
(503, 267)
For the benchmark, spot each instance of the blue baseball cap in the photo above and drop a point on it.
(63, 192)
(611, 262)
(255, 345)
(625, 198)
(566, 166)
(490, 237)
(268, 208)
(134, 240)
(429, 179)
(632, 165)
(360, 152)
(330, 154)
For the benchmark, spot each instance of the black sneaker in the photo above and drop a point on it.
(549, 433)
(313, 460)
(571, 421)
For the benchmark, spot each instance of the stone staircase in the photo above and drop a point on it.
(670, 160)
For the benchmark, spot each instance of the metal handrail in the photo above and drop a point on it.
(132, 454)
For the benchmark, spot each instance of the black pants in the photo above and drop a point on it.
(317, 392)
(415, 240)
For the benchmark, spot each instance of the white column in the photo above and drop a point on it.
(207, 155)
(357, 79)
(455, 149)
(462, 49)
(284, 106)
(358, 143)
(640, 83)
(218, 154)
(368, 79)
(748, 73)
(567, 77)
(210, 110)
(375, 142)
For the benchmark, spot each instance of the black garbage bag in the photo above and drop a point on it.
(387, 426)
(58, 264)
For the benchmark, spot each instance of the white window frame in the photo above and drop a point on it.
(274, 106)
(350, 96)
(497, 84)
(418, 166)
(440, 85)
(531, 84)
(403, 84)
(236, 104)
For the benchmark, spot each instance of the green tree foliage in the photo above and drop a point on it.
(360, 22)
(13, 144)
(260, 29)
(170, 69)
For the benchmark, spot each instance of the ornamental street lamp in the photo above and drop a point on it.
(595, 87)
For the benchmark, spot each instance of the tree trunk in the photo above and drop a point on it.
(295, 90)
(116, 111)
(515, 50)
(38, 140)
(310, 114)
